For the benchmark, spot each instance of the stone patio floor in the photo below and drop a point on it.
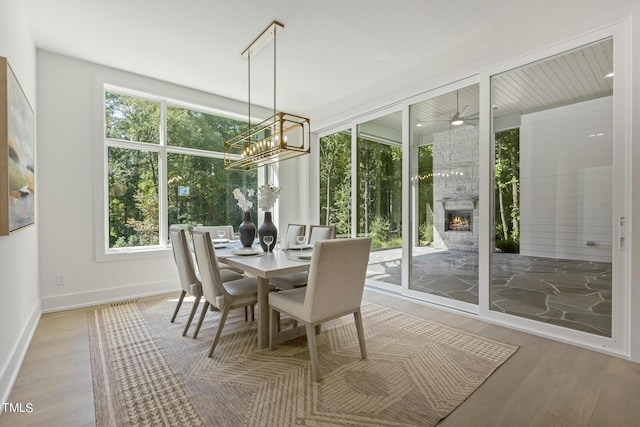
(569, 293)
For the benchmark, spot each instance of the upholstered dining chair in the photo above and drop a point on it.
(214, 229)
(321, 232)
(221, 294)
(293, 231)
(335, 287)
(296, 280)
(189, 280)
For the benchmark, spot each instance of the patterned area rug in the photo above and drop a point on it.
(146, 372)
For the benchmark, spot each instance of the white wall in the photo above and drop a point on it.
(70, 126)
(19, 295)
(566, 182)
(293, 203)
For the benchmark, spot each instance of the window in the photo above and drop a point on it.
(335, 182)
(165, 166)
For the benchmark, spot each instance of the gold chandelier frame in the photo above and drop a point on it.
(280, 137)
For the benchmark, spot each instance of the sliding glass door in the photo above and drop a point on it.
(444, 165)
(502, 195)
(378, 160)
(554, 190)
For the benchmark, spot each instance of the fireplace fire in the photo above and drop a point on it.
(458, 220)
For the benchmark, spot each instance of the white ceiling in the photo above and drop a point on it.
(327, 50)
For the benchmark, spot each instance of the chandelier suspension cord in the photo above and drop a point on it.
(249, 78)
(275, 32)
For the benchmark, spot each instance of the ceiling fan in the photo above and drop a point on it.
(459, 118)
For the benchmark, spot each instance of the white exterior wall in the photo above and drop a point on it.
(566, 182)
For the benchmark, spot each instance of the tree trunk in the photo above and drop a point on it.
(328, 198)
(505, 230)
(366, 209)
(515, 195)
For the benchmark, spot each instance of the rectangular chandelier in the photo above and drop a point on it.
(280, 137)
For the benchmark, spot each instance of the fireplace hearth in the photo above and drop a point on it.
(458, 220)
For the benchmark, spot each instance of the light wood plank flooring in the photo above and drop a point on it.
(545, 383)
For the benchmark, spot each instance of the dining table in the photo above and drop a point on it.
(265, 265)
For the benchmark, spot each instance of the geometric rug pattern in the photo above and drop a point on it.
(416, 372)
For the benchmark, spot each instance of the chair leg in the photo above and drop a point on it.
(196, 304)
(175, 313)
(223, 319)
(274, 326)
(253, 312)
(360, 330)
(202, 314)
(318, 329)
(246, 313)
(313, 350)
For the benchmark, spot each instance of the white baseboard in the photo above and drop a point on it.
(104, 296)
(11, 368)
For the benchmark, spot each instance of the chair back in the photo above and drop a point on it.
(182, 256)
(321, 232)
(293, 231)
(336, 277)
(213, 230)
(212, 287)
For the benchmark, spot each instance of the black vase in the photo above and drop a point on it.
(247, 231)
(268, 228)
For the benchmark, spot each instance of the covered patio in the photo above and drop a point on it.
(570, 293)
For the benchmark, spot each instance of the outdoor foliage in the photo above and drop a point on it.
(378, 186)
(335, 182)
(507, 190)
(199, 190)
(380, 192)
(425, 194)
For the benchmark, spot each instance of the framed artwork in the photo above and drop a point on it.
(17, 174)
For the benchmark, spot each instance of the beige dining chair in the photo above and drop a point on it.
(293, 231)
(321, 232)
(189, 280)
(213, 230)
(297, 280)
(335, 287)
(221, 294)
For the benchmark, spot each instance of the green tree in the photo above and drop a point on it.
(199, 188)
(425, 193)
(335, 181)
(379, 189)
(507, 185)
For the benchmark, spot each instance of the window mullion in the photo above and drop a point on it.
(163, 202)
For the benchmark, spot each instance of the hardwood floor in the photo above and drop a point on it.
(546, 383)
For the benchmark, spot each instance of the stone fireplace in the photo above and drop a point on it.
(456, 188)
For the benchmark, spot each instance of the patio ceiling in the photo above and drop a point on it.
(565, 79)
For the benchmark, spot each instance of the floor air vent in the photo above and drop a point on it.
(131, 301)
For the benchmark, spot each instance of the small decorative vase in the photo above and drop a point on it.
(247, 231)
(268, 228)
